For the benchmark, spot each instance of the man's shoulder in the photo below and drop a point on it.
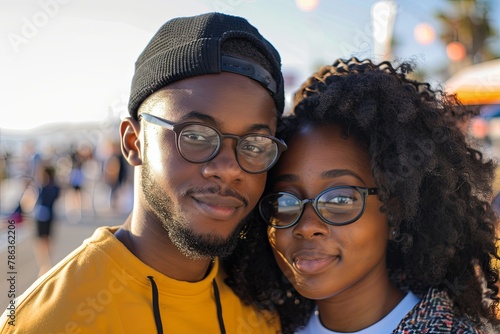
(58, 293)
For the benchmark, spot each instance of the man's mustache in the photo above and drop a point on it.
(217, 190)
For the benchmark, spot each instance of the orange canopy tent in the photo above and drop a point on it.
(477, 84)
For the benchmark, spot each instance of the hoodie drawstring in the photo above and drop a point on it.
(219, 307)
(156, 307)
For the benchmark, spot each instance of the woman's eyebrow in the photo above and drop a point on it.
(329, 174)
(286, 178)
(333, 173)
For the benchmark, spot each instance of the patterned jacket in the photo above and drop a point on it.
(434, 314)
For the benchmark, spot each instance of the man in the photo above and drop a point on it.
(205, 98)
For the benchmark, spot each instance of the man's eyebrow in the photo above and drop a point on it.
(259, 127)
(333, 173)
(198, 116)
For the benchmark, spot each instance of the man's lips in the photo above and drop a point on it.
(217, 206)
(312, 261)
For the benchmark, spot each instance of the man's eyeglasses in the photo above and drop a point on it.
(198, 143)
(335, 206)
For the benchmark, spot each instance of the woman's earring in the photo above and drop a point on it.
(396, 236)
(244, 231)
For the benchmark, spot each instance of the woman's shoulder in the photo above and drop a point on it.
(435, 314)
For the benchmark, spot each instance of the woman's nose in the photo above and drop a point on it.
(310, 224)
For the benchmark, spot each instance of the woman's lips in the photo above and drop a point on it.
(217, 206)
(312, 262)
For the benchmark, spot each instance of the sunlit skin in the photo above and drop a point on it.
(231, 103)
(343, 268)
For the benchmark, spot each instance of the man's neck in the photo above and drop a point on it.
(150, 244)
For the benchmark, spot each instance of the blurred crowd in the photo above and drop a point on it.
(94, 179)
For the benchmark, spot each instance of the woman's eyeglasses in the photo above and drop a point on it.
(335, 206)
(199, 143)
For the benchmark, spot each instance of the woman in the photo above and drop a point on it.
(378, 212)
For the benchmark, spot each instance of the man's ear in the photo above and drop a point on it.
(130, 142)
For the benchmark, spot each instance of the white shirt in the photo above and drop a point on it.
(384, 325)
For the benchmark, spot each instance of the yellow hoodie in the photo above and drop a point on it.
(101, 287)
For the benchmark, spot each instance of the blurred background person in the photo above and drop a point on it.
(49, 192)
(115, 173)
(76, 196)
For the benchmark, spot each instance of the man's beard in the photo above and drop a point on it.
(192, 245)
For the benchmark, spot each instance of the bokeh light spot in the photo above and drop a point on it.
(424, 33)
(456, 51)
(307, 5)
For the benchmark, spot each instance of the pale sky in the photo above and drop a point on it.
(70, 61)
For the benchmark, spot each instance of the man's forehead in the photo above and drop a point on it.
(207, 91)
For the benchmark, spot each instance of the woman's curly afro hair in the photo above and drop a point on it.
(435, 187)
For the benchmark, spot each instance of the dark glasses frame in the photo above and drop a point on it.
(365, 192)
(178, 127)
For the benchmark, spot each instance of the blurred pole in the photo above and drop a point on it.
(383, 14)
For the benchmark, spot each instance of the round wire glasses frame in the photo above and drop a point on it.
(198, 142)
(341, 205)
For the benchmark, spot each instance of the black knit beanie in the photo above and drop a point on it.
(190, 46)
